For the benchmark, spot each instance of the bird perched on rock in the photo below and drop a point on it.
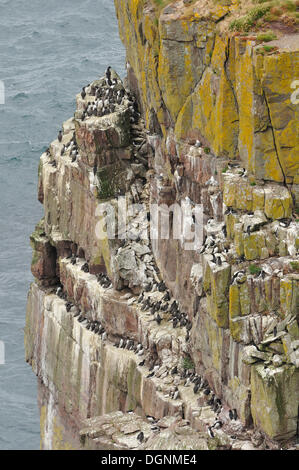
(187, 382)
(140, 437)
(212, 182)
(85, 268)
(59, 136)
(161, 286)
(218, 424)
(108, 72)
(58, 291)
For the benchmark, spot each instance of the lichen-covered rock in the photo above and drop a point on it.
(274, 404)
(217, 129)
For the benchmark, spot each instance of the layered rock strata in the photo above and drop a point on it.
(206, 339)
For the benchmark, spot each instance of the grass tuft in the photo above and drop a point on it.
(254, 269)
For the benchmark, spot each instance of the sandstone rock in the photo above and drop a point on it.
(251, 355)
(277, 360)
(207, 99)
(274, 403)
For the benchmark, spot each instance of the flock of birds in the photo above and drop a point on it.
(213, 401)
(92, 325)
(108, 95)
(71, 147)
(181, 375)
(159, 308)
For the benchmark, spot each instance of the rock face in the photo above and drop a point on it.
(119, 319)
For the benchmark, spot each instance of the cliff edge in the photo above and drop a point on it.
(147, 342)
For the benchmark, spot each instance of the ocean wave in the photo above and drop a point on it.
(20, 96)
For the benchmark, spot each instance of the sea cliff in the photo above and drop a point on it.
(204, 115)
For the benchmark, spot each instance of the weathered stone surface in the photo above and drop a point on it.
(211, 105)
(43, 266)
(176, 436)
(274, 404)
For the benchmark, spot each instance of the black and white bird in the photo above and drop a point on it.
(108, 73)
(218, 424)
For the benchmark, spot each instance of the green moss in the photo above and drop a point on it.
(268, 48)
(294, 265)
(187, 363)
(247, 22)
(264, 13)
(106, 189)
(35, 256)
(266, 37)
(39, 229)
(254, 269)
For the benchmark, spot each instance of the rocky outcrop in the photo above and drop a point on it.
(201, 343)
